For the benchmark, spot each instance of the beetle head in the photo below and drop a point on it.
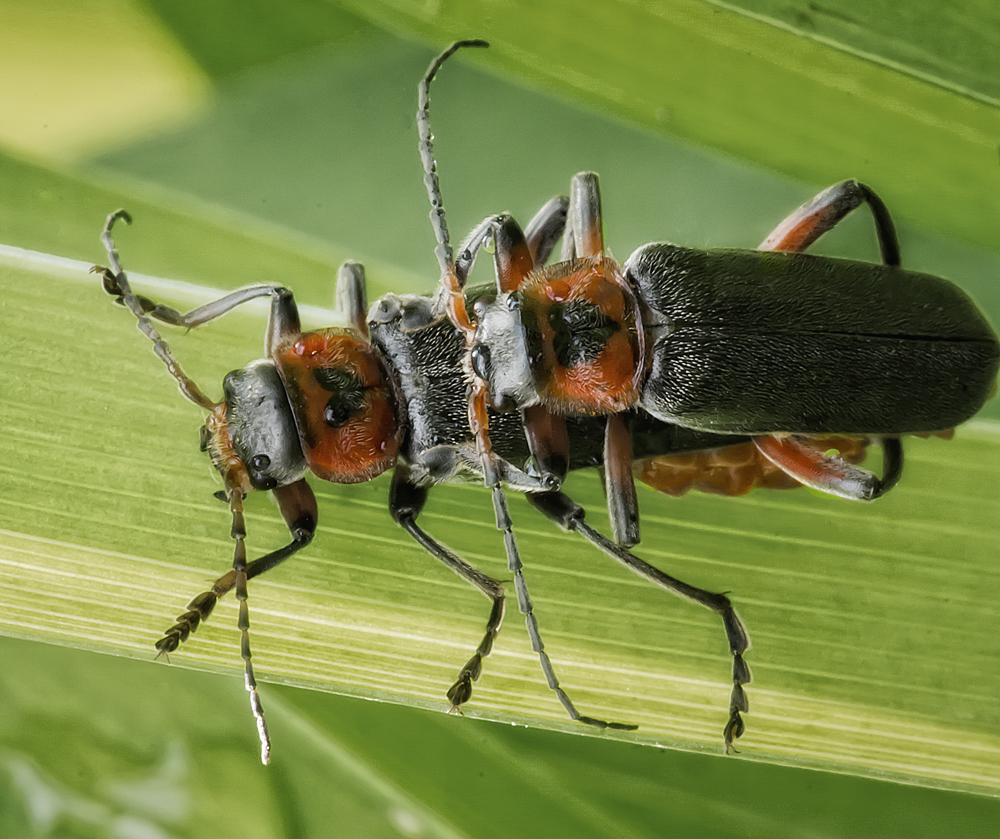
(251, 435)
(499, 355)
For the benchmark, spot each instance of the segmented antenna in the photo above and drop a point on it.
(452, 286)
(239, 533)
(116, 283)
(438, 221)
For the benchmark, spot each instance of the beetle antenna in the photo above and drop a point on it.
(454, 299)
(116, 284)
(451, 286)
(239, 533)
(431, 181)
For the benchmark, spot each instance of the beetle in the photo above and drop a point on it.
(389, 392)
(775, 344)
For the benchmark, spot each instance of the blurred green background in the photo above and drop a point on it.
(269, 141)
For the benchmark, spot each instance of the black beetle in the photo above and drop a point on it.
(780, 345)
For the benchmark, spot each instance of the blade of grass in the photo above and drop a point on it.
(858, 612)
(82, 756)
(952, 46)
(93, 738)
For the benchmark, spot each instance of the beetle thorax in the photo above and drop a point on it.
(584, 336)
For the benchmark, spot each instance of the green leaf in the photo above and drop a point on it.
(857, 611)
(873, 654)
(167, 754)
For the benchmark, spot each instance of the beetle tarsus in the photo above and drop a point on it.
(561, 509)
(734, 730)
(406, 500)
(460, 692)
(198, 610)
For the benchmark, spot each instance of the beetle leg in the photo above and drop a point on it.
(116, 283)
(795, 234)
(469, 249)
(822, 213)
(832, 475)
(541, 235)
(548, 442)
(298, 508)
(623, 503)
(209, 311)
(512, 256)
(561, 509)
(585, 228)
(406, 499)
(545, 229)
(892, 465)
(352, 296)
(283, 319)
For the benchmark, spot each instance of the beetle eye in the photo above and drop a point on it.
(480, 358)
(513, 302)
(337, 411)
(260, 462)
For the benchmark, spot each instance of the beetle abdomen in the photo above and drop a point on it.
(753, 342)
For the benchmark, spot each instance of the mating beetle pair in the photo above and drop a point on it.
(391, 391)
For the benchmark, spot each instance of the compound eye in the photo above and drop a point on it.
(480, 358)
(513, 302)
(259, 465)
